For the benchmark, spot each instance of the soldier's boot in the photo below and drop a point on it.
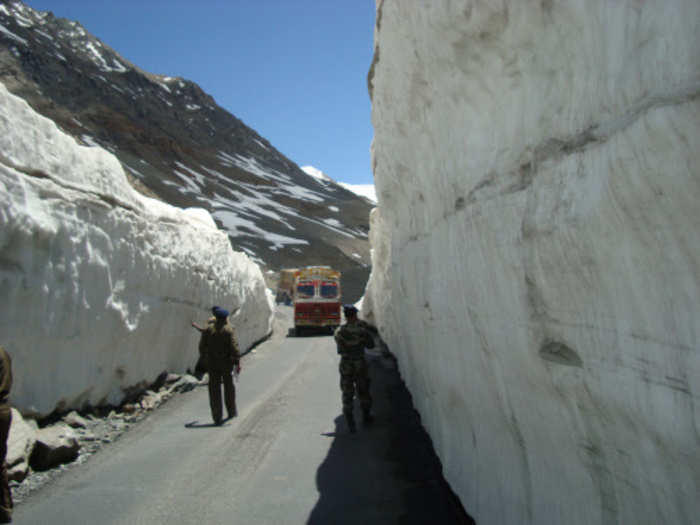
(351, 422)
(367, 417)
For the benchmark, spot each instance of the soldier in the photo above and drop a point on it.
(219, 352)
(199, 367)
(5, 421)
(352, 338)
(209, 321)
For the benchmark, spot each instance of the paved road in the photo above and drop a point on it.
(286, 459)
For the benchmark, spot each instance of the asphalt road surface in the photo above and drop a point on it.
(286, 459)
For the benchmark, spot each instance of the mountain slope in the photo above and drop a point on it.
(178, 145)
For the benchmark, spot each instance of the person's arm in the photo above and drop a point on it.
(203, 344)
(344, 340)
(196, 326)
(235, 353)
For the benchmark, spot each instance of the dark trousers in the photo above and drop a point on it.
(5, 494)
(216, 377)
(354, 377)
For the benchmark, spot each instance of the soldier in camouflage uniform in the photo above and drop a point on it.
(5, 421)
(352, 338)
(219, 352)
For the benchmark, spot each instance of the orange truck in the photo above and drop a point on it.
(316, 298)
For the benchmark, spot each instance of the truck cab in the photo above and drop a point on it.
(316, 298)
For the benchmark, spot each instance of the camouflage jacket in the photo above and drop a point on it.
(352, 339)
(218, 347)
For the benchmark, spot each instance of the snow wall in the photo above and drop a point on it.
(98, 283)
(537, 249)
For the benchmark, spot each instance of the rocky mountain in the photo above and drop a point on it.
(176, 144)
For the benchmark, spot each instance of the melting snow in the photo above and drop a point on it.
(24, 22)
(10, 34)
(333, 222)
(261, 144)
(236, 224)
(315, 173)
(91, 142)
(43, 33)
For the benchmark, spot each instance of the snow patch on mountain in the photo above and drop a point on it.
(367, 191)
(315, 172)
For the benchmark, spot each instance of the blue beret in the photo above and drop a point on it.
(349, 309)
(221, 312)
(214, 309)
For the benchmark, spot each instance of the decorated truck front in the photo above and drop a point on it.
(316, 298)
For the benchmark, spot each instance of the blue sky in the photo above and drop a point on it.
(293, 70)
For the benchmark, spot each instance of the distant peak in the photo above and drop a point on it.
(315, 173)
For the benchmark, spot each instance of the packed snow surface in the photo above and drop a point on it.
(98, 283)
(536, 255)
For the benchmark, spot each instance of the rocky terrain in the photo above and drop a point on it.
(178, 145)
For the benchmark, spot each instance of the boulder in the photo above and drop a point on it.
(185, 384)
(172, 378)
(54, 446)
(151, 400)
(75, 420)
(20, 443)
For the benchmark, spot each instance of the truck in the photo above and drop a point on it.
(285, 286)
(316, 298)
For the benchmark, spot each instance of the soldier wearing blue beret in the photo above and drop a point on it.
(219, 353)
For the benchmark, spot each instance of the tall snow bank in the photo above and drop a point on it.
(537, 170)
(98, 284)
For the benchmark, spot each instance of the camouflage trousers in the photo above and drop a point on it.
(5, 494)
(354, 378)
(216, 378)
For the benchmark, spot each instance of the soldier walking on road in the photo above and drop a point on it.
(5, 421)
(352, 338)
(219, 352)
(199, 367)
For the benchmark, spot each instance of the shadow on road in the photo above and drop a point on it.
(197, 424)
(387, 472)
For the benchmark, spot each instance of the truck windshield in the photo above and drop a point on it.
(329, 290)
(305, 289)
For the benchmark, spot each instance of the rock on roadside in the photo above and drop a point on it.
(75, 420)
(55, 445)
(20, 443)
